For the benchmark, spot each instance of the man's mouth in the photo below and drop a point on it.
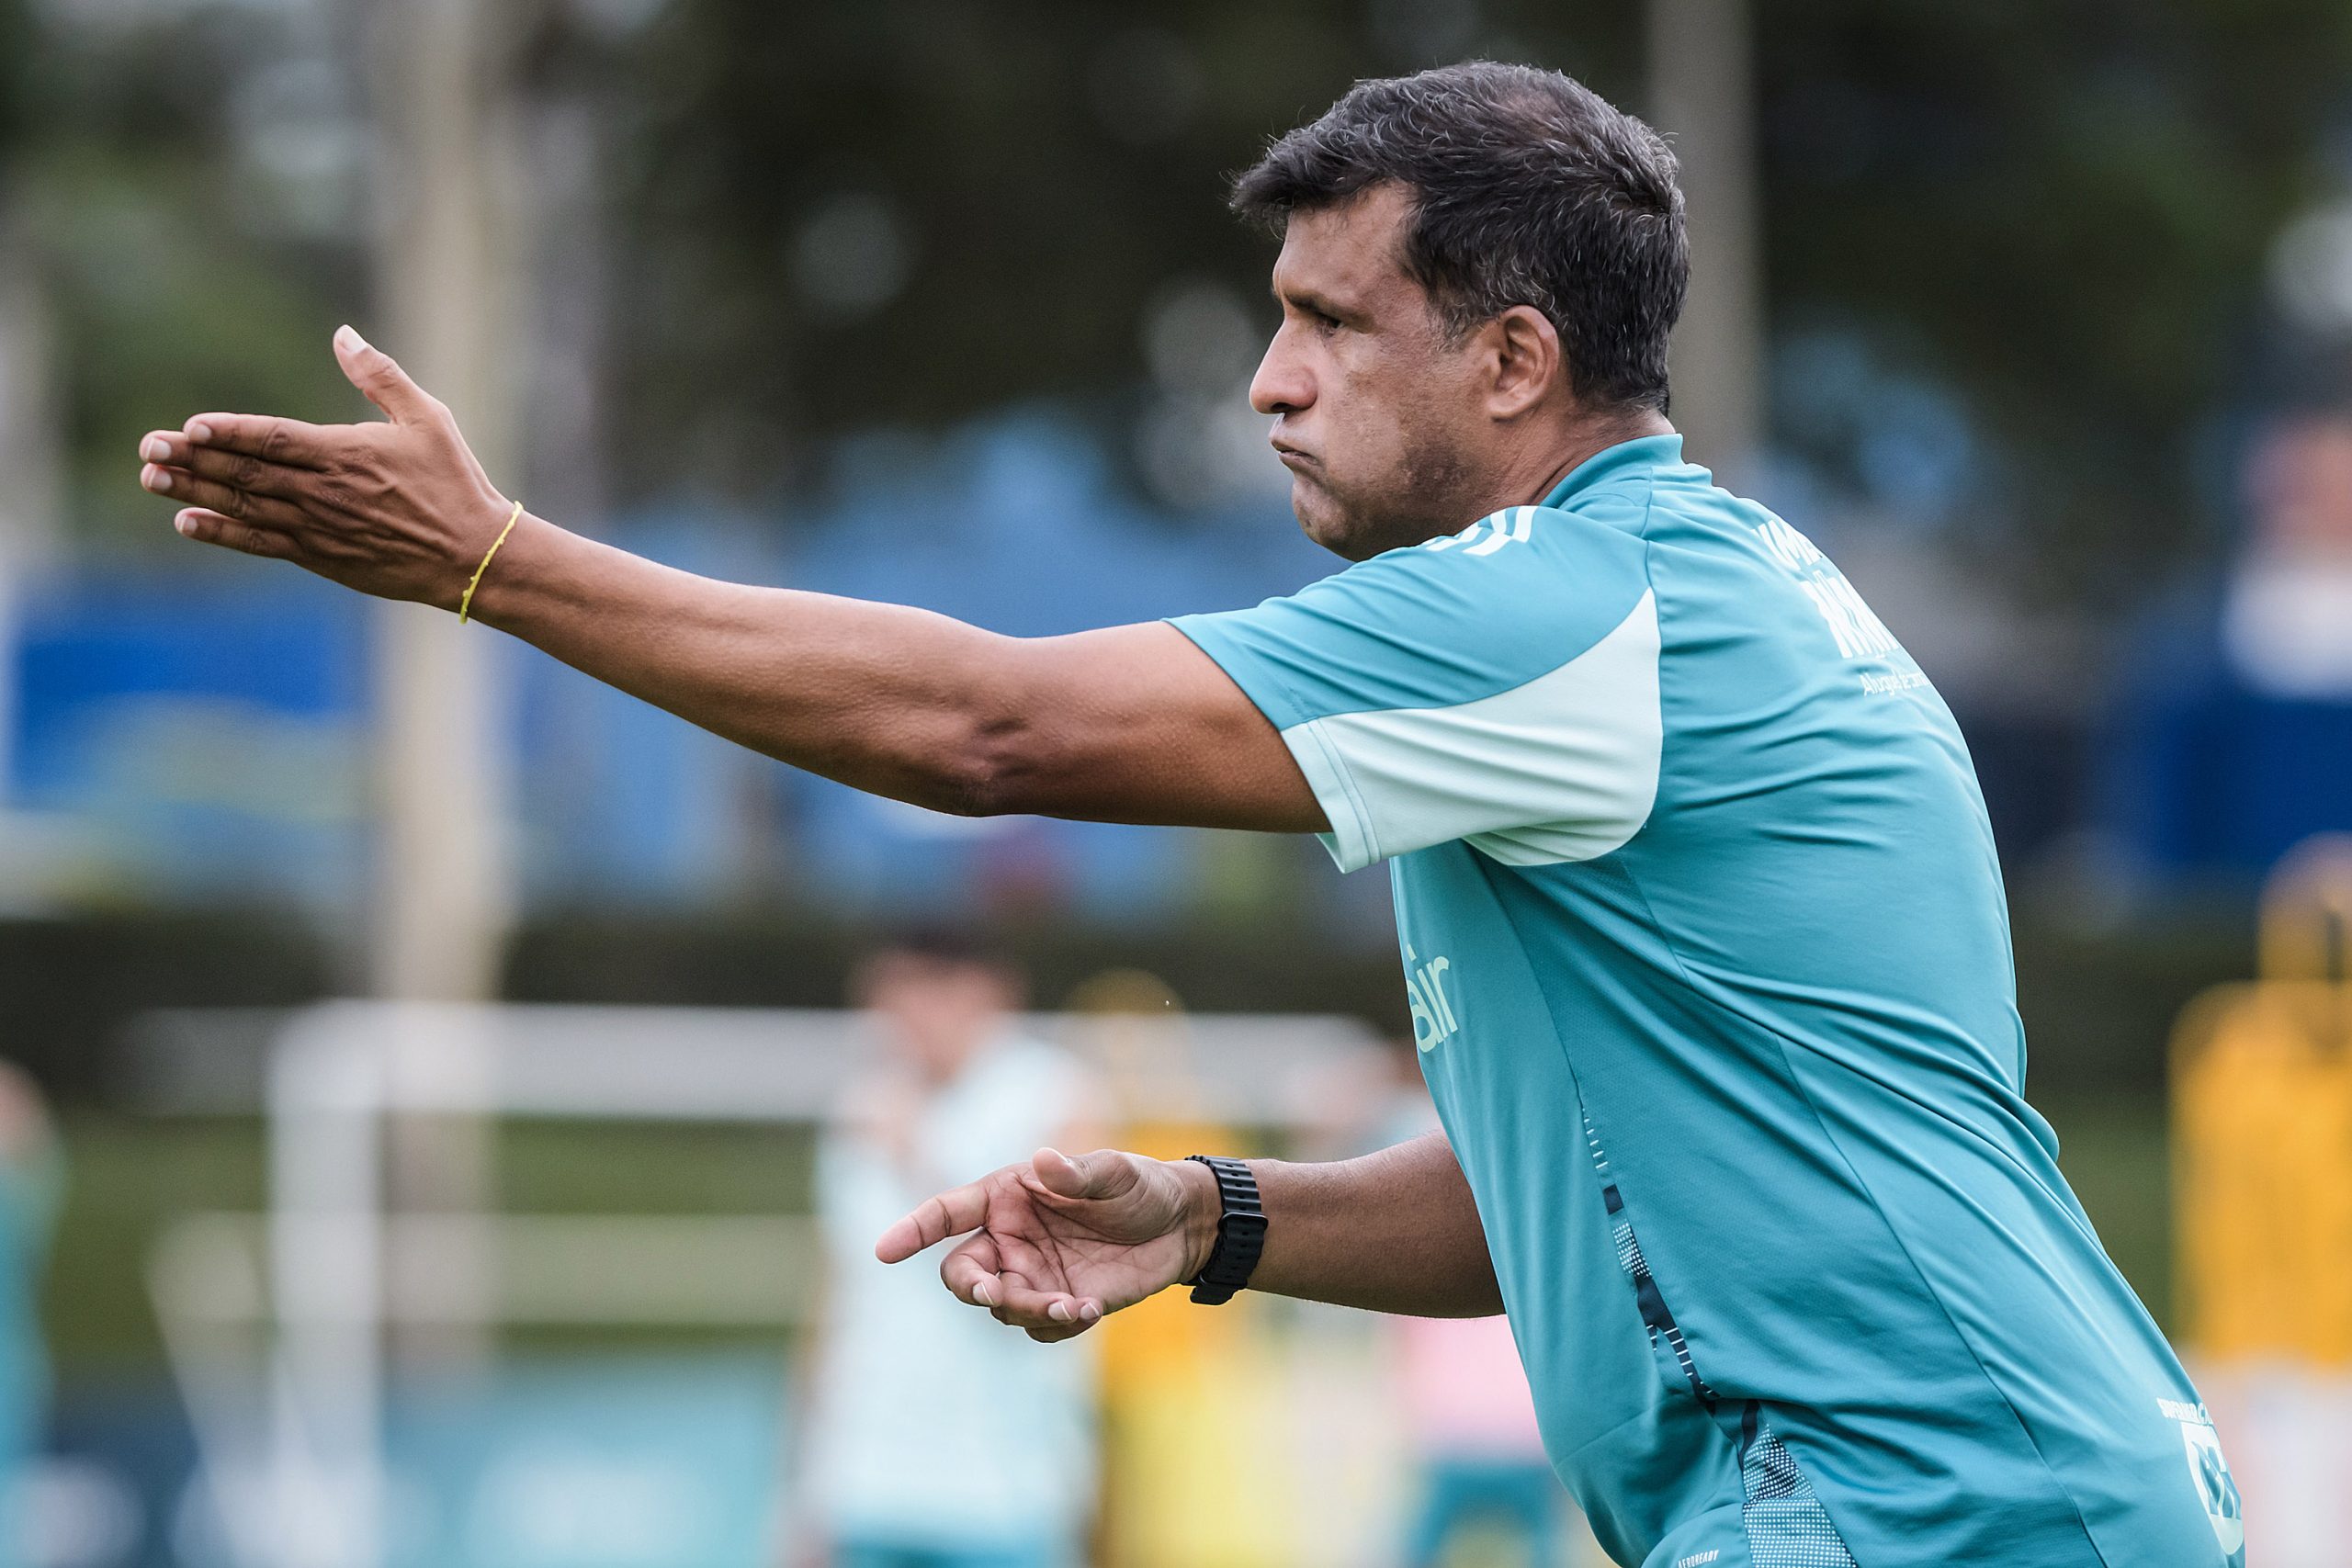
(1293, 458)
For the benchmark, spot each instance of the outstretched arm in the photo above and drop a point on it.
(1129, 724)
(1058, 1241)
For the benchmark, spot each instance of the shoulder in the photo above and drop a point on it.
(1539, 572)
(1509, 598)
(1524, 544)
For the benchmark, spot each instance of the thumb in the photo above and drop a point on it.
(1082, 1176)
(382, 380)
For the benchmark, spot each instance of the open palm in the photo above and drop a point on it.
(1061, 1241)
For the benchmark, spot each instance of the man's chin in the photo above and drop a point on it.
(1322, 518)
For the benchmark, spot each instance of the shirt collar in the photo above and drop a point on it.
(1648, 452)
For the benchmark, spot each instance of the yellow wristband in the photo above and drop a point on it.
(466, 600)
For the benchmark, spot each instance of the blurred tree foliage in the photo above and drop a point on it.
(2059, 212)
(818, 218)
(15, 72)
(1050, 167)
(2066, 210)
(178, 283)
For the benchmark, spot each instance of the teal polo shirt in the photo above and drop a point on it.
(1707, 958)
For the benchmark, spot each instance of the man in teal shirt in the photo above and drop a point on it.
(1705, 942)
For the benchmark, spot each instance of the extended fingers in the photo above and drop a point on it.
(950, 1214)
(970, 1272)
(242, 505)
(1022, 1307)
(288, 442)
(974, 1273)
(211, 528)
(237, 470)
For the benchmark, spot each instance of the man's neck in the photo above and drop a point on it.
(1542, 457)
(1584, 440)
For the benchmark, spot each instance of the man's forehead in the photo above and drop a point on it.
(1349, 251)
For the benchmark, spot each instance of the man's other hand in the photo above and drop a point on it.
(1061, 1241)
(400, 510)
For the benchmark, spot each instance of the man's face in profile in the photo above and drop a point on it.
(1374, 406)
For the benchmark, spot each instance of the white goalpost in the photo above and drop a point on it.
(277, 1323)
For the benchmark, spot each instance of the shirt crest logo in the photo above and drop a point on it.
(2209, 1473)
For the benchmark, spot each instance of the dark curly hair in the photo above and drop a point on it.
(1529, 188)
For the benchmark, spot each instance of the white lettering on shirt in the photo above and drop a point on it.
(1858, 631)
(1434, 1020)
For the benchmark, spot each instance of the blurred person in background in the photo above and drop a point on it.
(1703, 924)
(1470, 1417)
(2235, 739)
(909, 1399)
(1168, 1373)
(1471, 1424)
(31, 1181)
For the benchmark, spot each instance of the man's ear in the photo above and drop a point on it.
(1525, 365)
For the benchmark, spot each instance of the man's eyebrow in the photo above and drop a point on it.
(1307, 300)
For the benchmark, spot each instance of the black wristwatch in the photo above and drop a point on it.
(1241, 1232)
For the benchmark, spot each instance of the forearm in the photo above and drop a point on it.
(1394, 1231)
(892, 700)
(1129, 724)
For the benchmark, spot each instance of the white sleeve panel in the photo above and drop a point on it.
(1562, 768)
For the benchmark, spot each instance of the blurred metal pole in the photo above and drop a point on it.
(32, 503)
(449, 287)
(1702, 95)
(327, 1480)
(443, 882)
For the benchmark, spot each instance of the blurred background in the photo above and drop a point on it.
(2039, 318)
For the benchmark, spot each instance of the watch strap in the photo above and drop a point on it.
(1241, 1232)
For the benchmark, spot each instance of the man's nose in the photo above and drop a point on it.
(1282, 385)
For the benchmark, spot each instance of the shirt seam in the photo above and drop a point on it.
(1358, 810)
(1309, 721)
(1657, 929)
(1264, 668)
(1267, 669)
(1781, 1043)
(1559, 1039)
